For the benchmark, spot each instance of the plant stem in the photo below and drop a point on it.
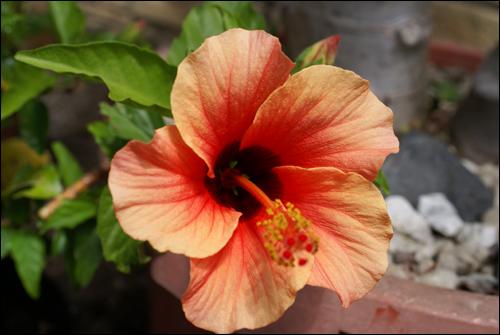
(71, 192)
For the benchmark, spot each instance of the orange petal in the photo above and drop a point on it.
(220, 86)
(324, 116)
(350, 218)
(241, 286)
(159, 196)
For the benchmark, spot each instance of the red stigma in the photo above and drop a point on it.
(282, 228)
(288, 235)
(287, 254)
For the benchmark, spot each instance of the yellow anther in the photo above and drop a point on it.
(288, 235)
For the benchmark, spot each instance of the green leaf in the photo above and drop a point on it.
(12, 21)
(117, 246)
(70, 214)
(21, 83)
(6, 236)
(24, 178)
(45, 184)
(20, 24)
(16, 153)
(240, 14)
(68, 20)
(59, 243)
(381, 182)
(200, 23)
(68, 166)
(212, 18)
(17, 211)
(85, 256)
(132, 123)
(28, 252)
(447, 90)
(129, 71)
(34, 124)
(105, 136)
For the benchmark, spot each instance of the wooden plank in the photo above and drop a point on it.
(470, 23)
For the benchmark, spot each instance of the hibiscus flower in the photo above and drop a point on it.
(265, 182)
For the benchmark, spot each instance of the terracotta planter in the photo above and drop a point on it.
(394, 306)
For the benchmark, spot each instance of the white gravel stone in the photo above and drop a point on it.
(488, 270)
(440, 214)
(489, 175)
(478, 236)
(491, 217)
(470, 165)
(441, 278)
(402, 244)
(428, 251)
(405, 219)
(456, 259)
(399, 271)
(477, 245)
(425, 266)
(480, 282)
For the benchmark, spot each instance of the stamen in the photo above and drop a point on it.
(287, 254)
(288, 236)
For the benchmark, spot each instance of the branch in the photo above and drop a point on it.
(72, 191)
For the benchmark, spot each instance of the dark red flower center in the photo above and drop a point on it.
(245, 181)
(256, 164)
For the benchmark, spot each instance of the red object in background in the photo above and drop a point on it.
(448, 54)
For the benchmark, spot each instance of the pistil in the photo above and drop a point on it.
(287, 235)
